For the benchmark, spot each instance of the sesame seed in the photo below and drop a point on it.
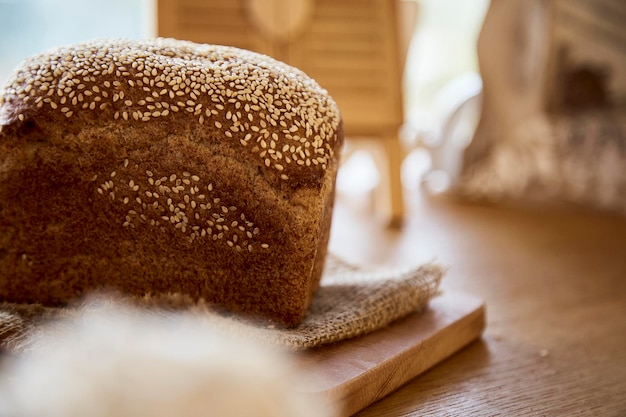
(144, 75)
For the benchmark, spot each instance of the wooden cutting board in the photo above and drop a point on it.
(355, 373)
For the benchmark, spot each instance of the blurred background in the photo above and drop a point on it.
(440, 54)
(416, 81)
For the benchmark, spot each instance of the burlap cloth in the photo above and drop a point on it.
(351, 301)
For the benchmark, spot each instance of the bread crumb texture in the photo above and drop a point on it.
(185, 203)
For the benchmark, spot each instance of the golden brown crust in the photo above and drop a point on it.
(268, 110)
(161, 179)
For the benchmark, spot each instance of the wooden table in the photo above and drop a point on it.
(554, 281)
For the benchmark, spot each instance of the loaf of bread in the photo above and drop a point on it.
(166, 167)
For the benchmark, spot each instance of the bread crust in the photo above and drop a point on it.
(165, 166)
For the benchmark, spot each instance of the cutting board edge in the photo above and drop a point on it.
(392, 384)
(359, 392)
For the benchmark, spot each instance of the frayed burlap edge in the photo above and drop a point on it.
(352, 301)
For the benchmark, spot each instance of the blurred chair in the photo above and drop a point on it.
(356, 49)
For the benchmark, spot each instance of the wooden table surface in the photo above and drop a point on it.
(554, 282)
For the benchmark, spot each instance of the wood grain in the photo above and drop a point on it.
(554, 282)
(357, 372)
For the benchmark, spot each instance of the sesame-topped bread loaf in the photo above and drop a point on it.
(163, 166)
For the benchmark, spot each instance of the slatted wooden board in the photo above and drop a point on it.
(357, 372)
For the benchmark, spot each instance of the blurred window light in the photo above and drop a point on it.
(358, 175)
(28, 27)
